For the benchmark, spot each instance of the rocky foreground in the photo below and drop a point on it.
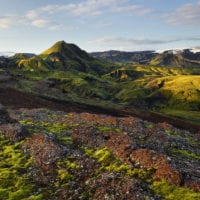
(48, 154)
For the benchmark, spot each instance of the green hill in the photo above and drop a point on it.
(67, 57)
(65, 72)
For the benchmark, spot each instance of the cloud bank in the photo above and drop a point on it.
(123, 43)
(42, 17)
(187, 14)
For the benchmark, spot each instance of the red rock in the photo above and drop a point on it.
(44, 151)
(150, 159)
(169, 174)
(120, 145)
(192, 185)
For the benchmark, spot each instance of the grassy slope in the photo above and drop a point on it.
(173, 91)
(164, 89)
(67, 85)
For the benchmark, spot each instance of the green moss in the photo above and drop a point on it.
(66, 140)
(14, 181)
(110, 163)
(185, 153)
(63, 174)
(65, 170)
(44, 126)
(172, 192)
(171, 132)
(148, 125)
(35, 197)
(107, 129)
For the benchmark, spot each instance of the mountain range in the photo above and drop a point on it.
(74, 126)
(177, 58)
(141, 79)
(63, 54)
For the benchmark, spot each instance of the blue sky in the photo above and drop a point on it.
(97, 25)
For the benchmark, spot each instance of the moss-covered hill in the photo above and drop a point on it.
(70, 132)
(64, 72)
(63, 56)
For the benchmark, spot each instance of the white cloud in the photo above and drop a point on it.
(6, 22)
(187, 14)
(44, 16)
(97, 7)
(9, 21)
(40, 23)
(33, 18)
(122, 43)
(55, 27)
(134, 9)
(32, 14)
(103, 24)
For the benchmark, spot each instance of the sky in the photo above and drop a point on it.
(99, 25)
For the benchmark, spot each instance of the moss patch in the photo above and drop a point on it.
(110, 163)
(171, 192)
(107, 129)
(65, 169)
(44, 126)
(185, 153)
(14, 182)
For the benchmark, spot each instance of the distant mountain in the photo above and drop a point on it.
(23, 55)
(184, 58)
(195, 50)
(176, 58)
(6, 54)
(192, 54)
(141, 57)
(3, 61)
(65, 56)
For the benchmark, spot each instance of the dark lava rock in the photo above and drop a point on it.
(89, 136)
(13, 131)
(4, 116)
(10, 128)
(114, 186)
